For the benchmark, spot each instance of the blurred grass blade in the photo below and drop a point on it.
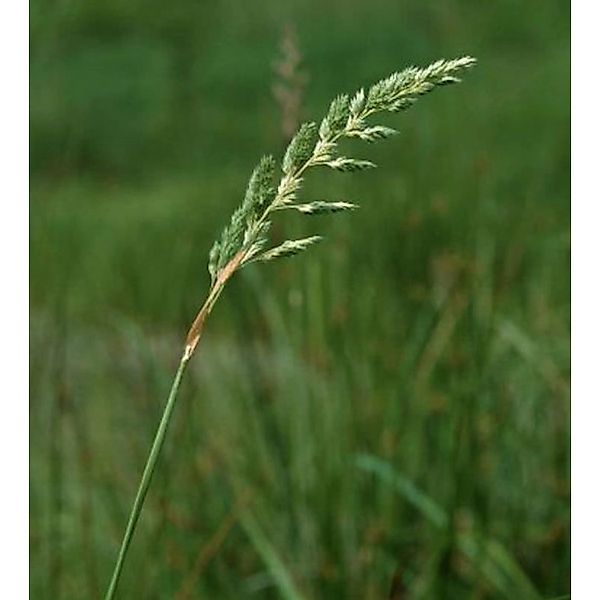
(530, 351)
(517, 576)
(384, 471)
(281, 576)
(498, 567)
(488, 556)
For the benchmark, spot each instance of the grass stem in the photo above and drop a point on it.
(138, 503)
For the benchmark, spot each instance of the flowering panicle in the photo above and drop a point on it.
(245, 239)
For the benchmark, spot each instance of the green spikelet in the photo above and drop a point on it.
(349, 165)
(213, 260)
(337, 117)
(320, 207)
(260, 191)
(400, 90)
(289, 248)
(301, 148)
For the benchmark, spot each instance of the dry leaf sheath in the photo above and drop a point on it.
(245, 239)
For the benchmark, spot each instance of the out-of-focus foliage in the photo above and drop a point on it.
(391, 411)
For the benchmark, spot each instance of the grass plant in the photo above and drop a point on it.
(246, 238)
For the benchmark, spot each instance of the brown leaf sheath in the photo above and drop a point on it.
(195, 331)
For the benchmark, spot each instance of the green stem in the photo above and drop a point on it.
(138, 503)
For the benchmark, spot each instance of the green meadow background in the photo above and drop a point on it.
(386, 416)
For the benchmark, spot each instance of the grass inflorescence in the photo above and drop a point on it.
(245, 239)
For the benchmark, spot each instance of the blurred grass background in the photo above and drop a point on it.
(387, 416)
